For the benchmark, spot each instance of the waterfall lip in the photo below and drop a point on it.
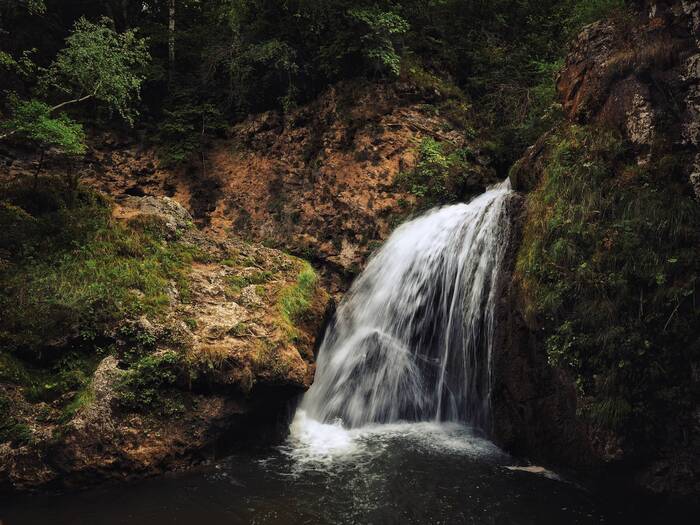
(412, 339)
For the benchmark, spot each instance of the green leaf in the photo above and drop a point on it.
(32, 120)
(100, 63)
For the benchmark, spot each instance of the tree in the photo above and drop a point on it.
(97, 63)
(171, 37)
(33, 7)
(32, 120)
(384, 27)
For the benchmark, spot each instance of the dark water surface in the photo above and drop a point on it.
(420, 473)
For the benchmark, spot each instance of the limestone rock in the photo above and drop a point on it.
(641, 77)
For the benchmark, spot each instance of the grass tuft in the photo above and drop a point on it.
(295, 300)
(72, 270)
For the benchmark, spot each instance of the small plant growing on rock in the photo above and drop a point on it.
(441, 175)
(11, 430)
(146, 384)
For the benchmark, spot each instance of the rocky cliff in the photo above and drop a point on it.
(322, 181)
(184, 328)
(601, 346)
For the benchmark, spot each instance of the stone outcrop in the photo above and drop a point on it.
(642, 77)
(639, 75)
(533, 404)
(240, 364)
(322, 180)
(318, 182)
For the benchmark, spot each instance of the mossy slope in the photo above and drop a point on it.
(608, 272)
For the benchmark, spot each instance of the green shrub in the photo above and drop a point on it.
(32, 121)
(149, 384)
(68, 373)
(183, 129)
(378, 42)
(134, 342)
(440, 175)
(586, 12)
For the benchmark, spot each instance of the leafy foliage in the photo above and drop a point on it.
(379, 42)
(145, 385)
(100, 63)
(32, 120)
(582, 13)
(440, 175)
(238, 57)
(183, 131)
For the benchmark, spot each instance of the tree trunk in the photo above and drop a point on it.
(125, 14)
(38, 169)
(201, 148)
(171, 37)
(110, 15)
(73, 179)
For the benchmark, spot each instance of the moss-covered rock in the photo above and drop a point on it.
(606, 281)
(599, 366)
(609, 267)
(133, 343)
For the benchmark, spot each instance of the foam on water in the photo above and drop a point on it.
(313, 445)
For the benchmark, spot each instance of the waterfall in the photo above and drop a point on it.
(412, 339)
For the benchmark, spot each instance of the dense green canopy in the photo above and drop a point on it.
(223, 59)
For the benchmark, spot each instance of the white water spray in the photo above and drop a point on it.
(413, 338)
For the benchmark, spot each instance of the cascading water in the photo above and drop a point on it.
(412, 340)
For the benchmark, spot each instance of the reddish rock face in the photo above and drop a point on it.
(641, 76)
(255, 363)
(317, 182)
(580, 82)
(320, 181)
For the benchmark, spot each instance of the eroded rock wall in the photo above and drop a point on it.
(319, 182)
(636, 74)
(640, 74)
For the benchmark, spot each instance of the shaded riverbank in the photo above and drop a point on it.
(401, 473)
